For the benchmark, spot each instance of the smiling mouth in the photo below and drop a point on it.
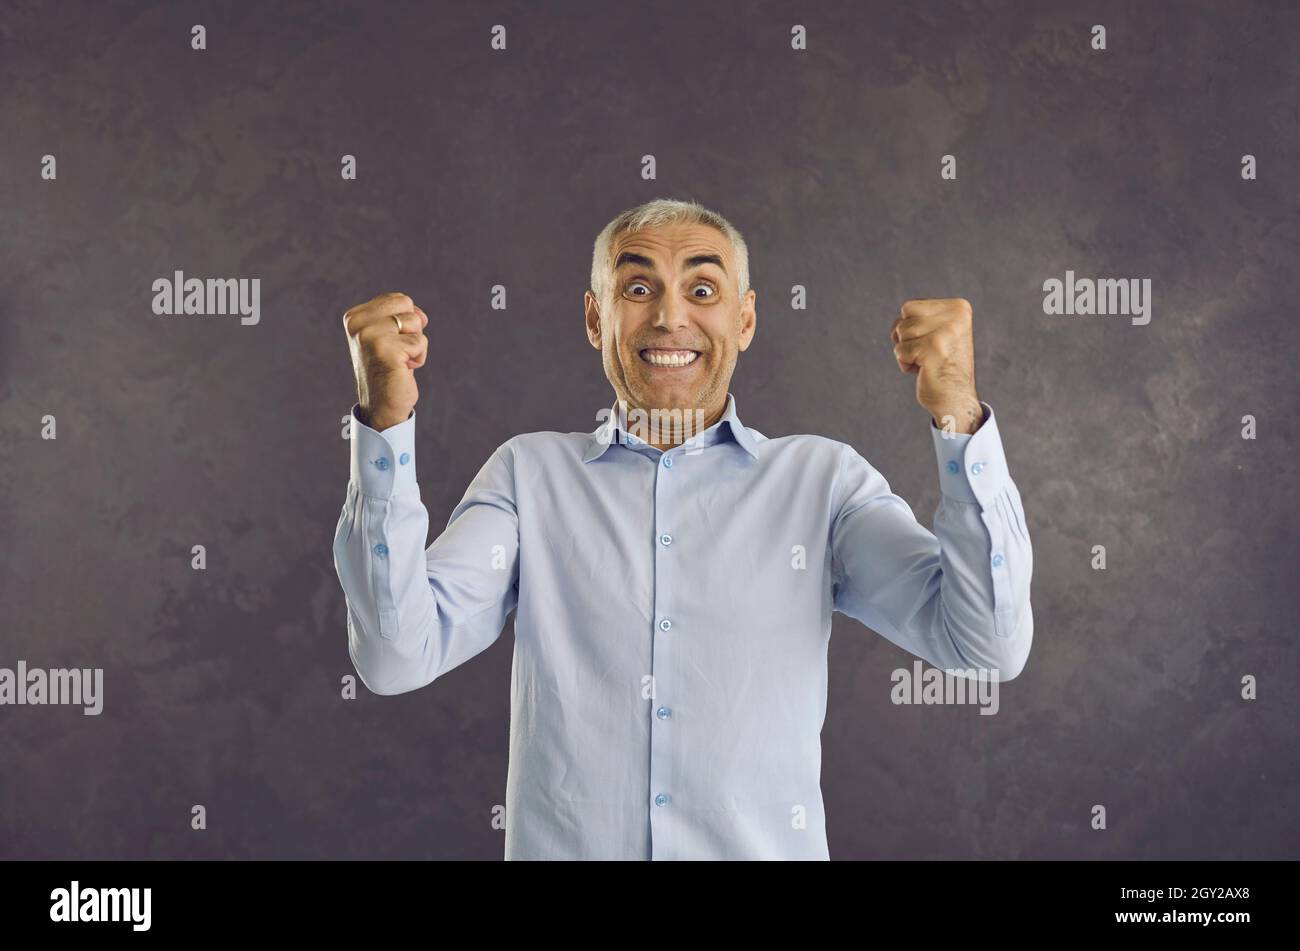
(669, 359)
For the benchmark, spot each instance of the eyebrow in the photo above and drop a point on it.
(631, 257)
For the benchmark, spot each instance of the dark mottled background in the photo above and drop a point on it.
(479, 167)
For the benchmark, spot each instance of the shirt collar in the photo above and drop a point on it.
(729, 426)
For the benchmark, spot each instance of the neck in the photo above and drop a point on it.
(665, 427)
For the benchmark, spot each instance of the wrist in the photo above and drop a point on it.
(965, 416)
(381, 419)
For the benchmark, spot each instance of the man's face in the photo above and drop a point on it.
(674, 324)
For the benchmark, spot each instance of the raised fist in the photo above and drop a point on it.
(387, 342)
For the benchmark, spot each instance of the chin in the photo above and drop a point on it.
(671, 396)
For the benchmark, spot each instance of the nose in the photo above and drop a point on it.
(671, 314)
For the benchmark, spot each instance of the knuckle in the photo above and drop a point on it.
(371, 336)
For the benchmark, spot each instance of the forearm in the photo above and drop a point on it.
(985, 552)
(379, 555)
(957, 597)
(416, 613)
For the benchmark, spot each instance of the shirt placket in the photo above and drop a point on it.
(666, 631)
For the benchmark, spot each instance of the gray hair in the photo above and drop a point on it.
(657, 214)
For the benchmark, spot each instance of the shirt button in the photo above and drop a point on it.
(952, 466)
(665, 625)
(381, 550)
(382, 463)
(668, 462)
(661, 800)
(404, 458)
(663, 713)
(997, 561)
(665, 539)
(977, 468)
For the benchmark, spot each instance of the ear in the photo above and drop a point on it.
(591, 310)
(748, 319)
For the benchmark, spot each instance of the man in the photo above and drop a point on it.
(674, 584)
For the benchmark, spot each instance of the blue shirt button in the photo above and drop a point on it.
(977, 468)
(665, 539)
(661, 800)
(382, 463)
(668, 462)
(665, 625)
(381, 550)
(997, 561)
(663, 713)
(404, 458)
(952, 466)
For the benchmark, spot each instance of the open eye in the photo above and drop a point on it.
(635, 284)
(707, 286)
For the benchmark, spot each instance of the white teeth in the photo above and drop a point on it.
(670, 359)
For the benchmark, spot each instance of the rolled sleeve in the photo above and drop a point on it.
(383, 463)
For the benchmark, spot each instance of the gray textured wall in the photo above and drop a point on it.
(222, 687)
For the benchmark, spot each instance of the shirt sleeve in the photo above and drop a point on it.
(957, 597)
(415, 613)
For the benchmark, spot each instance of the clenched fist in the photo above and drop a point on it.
(933, 339)
(387, 342)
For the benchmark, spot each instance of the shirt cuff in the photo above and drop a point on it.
(383, 463)
(972, 466)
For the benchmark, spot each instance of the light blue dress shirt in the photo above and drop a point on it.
(668, 687)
